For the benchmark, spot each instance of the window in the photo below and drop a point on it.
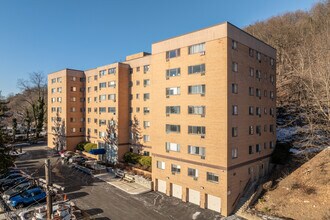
(234, 110)
(59, 89)
(258, 111)
(89, 89)
(112, 84)
(146, 138)
(251, 52)
(272, 62)
(59, 99)
(258, 93)
(112, 110)
(234, 44)
(196, 110)
(212, 177)
(146, 82)
(146, 68)
(173, 72)
(197, 48)
(258, 56)
(196, 130)
(95, 88)
(235, 67)
(73, 130)
(72, 119)
(146, 96)
(103, 85)
(102, 73)
(271, 111)
(95, 77)
(272, 79)
(173, 91)
(197, 89)
(258, 74)
(172, 146)
(146, 110)
(196, 150)
(161, 165)
(73, 89)
(137, 109)
(265, 93)
(138, 69)
(172, 109)
(250, 149)
(137, 82)
(265, 145)
(271, 128)
(59, 79)
(234, 131)
(73, 109)
(251, 111)
(146, 124)
(95, 110)
(103, 98)
(196, 69)
(234, 88)
(112, 97)
(112, 70)
(53, 100)
(175, 168)
(251, 72)
(102, 110)
(101, 134)
(250, 170)
(89, 110)
(258, 129)
(82, 99)
(95, 99)
(53, 81)
(251, 130)
(53, 90)
(192, 172)
(258, 148)
(251, 91)
(95, 131)
(234, 153)
(271, 144)
(172, 53)
(102, 122)
(271, 95)
(265, 128)
(89, 79)
(172, 128)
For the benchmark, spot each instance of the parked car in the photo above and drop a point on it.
(27, 198)
(67, 154)
(77, 159)
(13, 182)
(8, 172)
(17, 190)
(10, 176)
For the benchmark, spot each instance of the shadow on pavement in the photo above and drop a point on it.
(94, 211)
(77, 195)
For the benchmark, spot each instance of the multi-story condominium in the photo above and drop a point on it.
(205, 102)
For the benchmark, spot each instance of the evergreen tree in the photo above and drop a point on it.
(111, 142)
(136, 135)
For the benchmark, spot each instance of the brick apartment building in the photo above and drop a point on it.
(205, 102)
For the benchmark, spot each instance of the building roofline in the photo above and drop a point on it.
(65, 69)
(221, 23)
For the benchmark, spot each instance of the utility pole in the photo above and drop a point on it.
(49, 193)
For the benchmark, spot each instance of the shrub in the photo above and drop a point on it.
(81, 146)
(281, 153)
(90, 146)
(145, 161)
(131, 157)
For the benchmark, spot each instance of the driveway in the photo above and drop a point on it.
(103, 201)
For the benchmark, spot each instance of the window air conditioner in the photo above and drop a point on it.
(167, 78)
(167, 114)
(202, 73)
(167, 96)
(203, 115)
(167, 59)
(203, 157)
(195, 178)
(202, 94)
(202, 53)
(202, 136)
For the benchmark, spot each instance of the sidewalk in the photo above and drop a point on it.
(131, 188)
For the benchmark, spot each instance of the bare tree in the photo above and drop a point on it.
(111, 142)
(35, 94)
(59, 133)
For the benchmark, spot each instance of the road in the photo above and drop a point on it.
(103, 201)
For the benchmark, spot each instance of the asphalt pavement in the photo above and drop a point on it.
(103, 201)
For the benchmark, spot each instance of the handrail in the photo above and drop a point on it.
(245, 188)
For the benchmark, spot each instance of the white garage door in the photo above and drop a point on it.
(161, 186)
(194, 196)
(214, 203)
(177, 191)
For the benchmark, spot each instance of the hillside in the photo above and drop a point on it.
(304, 194)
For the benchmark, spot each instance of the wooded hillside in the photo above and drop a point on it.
(302, 40)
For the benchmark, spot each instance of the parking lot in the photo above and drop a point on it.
(103, 201)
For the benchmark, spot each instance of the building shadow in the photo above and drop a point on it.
(77, 195)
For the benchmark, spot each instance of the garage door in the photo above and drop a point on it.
(213, 203)
(194, 196)
(161, 186)
(177, 191)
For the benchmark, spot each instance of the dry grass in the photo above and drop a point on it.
(303, 194)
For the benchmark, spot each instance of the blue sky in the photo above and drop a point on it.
(46, 36)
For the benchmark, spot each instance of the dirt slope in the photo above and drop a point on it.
(304, 194)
